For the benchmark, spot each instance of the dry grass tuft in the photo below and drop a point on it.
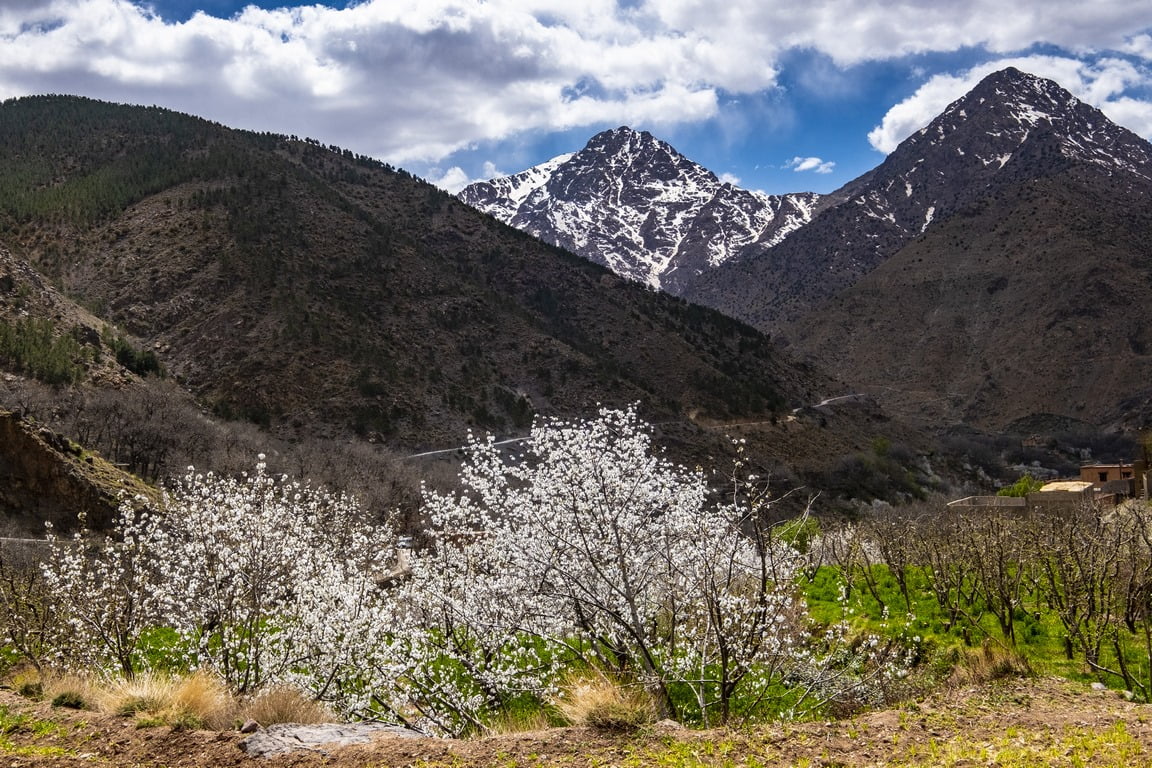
(284, 705)
(69, 690)
(197, 701)
(988, 663)
(205, 699)
(599, 702)
(26, 680)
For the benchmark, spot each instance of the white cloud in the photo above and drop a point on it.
(730, 178)
(452, 180)
(456, 178)
(1101, 84)
(413, 81)
(1141, 46)
(851, 32)
(801, 164)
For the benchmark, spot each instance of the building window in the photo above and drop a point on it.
(1103, 477)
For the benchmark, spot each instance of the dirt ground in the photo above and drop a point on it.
(1012, 723)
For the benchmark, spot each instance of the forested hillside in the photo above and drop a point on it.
(320, 297)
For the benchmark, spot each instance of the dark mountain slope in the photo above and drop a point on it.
(317, 292)
(1011, 129)
(1036, 300)
(997, 265)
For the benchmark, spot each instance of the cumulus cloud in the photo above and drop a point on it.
(815, 164)
(452, 180)
(456, 178)
(730, 178)
(418, 80)
(851, 32)
(1101, 83)
(404, 80)
(1140, 45)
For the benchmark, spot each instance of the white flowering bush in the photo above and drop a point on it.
(259, 578)
(244, 561)
(346, 641)
(104, 591)
(591, 542)
(586, 550)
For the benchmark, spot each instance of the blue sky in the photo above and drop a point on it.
(773, 94)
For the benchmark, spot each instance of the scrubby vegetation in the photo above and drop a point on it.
(587, 553)
(586, 579)
(41, 351)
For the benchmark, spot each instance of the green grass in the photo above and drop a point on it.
(1039, 633)
(1070, 746)
(1013, 748)
(13, 723)
(21, 722)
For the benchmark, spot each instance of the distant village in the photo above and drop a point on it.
(1099, 486)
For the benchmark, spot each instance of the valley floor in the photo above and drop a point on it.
(1045, 722)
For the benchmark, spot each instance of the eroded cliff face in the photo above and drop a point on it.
(44, 478)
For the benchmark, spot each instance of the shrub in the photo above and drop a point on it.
(31, 689)
(603, 549)
(194, 701)
(245, 571)
(69, 700)
(988, 663)
(33, 347)
(283, 704)
(1022, 487)
(596, 701)
(590, 546)
(69, 691)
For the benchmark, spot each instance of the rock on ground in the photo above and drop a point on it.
(291, 737)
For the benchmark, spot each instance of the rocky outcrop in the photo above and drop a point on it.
(44, 477)
(634, 204)
(292, 737)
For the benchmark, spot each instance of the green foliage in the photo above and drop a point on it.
(943, 632)
(1022, 487)
(13, 722)
(32, 346)
(799, 532)
(1071, 745)
(69, 700)
(32, 689)
(882, 473)
(141, 362)
(116, 155)
(517, 406)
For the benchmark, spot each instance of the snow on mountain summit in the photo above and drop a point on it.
(633, 203)
(1012, 131)
(1016, 106)
(1011, 125)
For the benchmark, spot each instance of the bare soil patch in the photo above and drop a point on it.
(1019, 722)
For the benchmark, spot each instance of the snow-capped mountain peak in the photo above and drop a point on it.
(635, 204)
(1011, 107)
(1012, 131)
(632, 202)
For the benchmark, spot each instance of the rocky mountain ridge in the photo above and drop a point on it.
(942, 280)
(1010, 128)
(631, 202)
(977, 275)
(324, 296)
